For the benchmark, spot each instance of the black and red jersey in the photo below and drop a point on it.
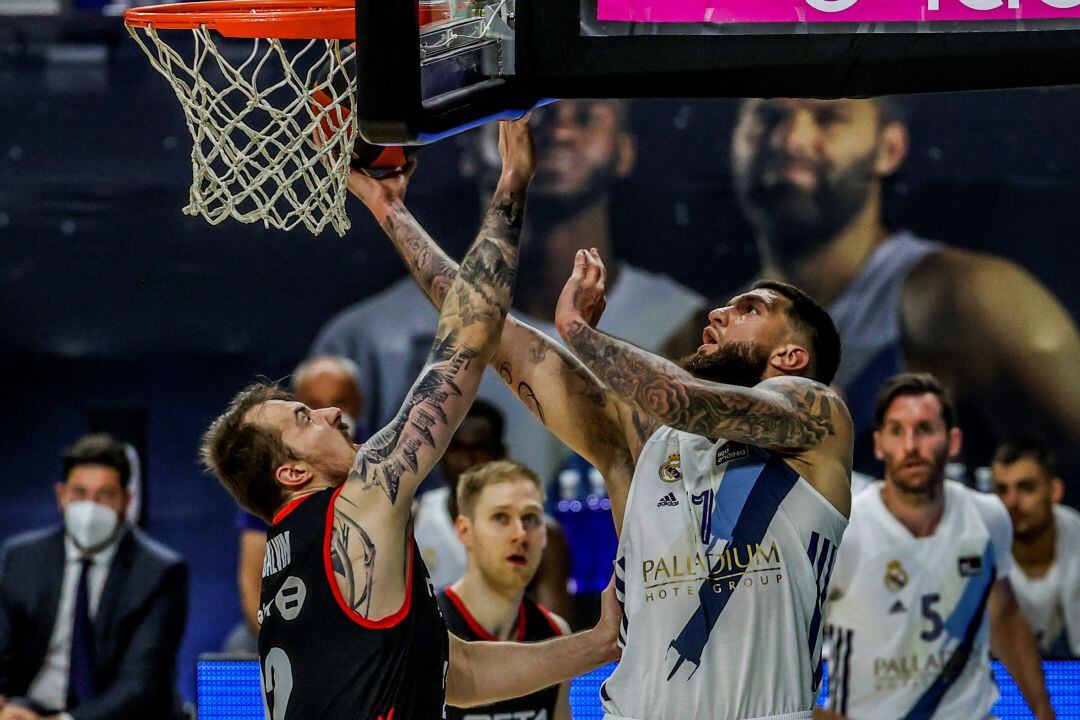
(534, 623)
(320, 659)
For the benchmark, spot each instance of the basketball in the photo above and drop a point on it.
(365, 156)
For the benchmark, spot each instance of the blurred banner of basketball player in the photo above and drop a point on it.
(809, 175)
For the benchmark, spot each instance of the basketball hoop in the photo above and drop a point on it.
(266, 88)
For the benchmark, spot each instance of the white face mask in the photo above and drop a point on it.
(89, 524)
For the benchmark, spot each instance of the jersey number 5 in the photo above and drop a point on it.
(928, 612)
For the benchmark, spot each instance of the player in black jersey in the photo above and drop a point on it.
(350, 626)
(501, 525)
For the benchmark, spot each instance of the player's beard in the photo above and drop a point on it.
(935, 477)
(735, 363)
(796, 222)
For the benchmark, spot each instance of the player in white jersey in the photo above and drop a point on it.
(920, 591)
(767, 467)
(1046, 544)
(738, 503)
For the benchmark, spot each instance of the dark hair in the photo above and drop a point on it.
(906, 384)
(1024, 446)
(814, 322)
(245, 456)
(98, 449)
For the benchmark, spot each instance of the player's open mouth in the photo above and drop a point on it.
(710, 336)
(517, 560)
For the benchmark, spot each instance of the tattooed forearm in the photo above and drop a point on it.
(474, 300)
(387, 456)
(352, 555)
(432, 269)
(793, 413)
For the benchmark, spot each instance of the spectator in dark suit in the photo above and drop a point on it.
(92, 611)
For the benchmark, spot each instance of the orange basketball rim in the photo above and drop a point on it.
(283, 19)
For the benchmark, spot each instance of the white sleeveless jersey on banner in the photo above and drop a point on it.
(722, 569)
(1050, 602)
(907, 634)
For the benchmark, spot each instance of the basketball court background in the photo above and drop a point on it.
(111, 297)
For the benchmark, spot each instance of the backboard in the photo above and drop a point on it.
(498, 57)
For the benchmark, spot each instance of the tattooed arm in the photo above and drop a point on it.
(554, 385)
(368, 541)
(795, 416)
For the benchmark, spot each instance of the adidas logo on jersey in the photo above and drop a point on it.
(668, 500)
(898, 607)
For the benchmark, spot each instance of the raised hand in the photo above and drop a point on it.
(516, 151)
(582, 297)
(381, 194)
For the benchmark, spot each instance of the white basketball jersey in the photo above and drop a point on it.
(907, 634)
(722, 569)
(437, 539)
(1050, 603)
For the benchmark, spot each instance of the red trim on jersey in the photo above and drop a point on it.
(390, 620)
(289, 507)
(477, 627)
(389, 716)
(551, 621)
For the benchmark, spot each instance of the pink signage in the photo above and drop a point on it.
(824, 11)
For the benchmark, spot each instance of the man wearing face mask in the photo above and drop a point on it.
(91, 612)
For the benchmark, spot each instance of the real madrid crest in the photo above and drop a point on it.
(896, 576)
(669, 471)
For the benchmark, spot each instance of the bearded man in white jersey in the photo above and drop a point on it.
(920, 593)
(740, 460)
(1046, 544)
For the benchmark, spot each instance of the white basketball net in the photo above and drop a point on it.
(264, 150)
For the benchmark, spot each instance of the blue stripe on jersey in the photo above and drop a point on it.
(963, 615)
(964, 623)
(771, 481)
(740, 477)
(847, 671)
(825, 562)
